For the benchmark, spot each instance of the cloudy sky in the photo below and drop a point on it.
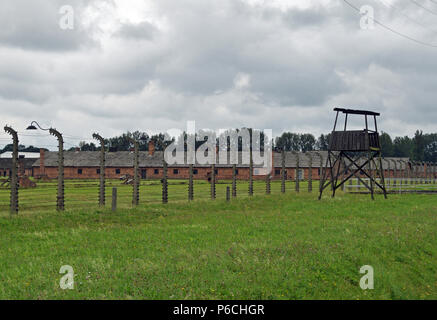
(152, 65)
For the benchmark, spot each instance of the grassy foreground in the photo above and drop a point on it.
(268, 247)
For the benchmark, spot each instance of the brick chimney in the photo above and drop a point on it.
(42, 167)
(151, 148)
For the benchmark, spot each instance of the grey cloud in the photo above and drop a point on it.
(34, 25)
(301, 64)
(140, 31)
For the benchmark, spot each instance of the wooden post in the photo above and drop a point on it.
(14, 171)
(191, 184)
(343, 186)
(228, 194)
(234, 181)
(114, 199)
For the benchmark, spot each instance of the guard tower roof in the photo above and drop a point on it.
(362, 112)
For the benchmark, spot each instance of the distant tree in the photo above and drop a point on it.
(159, 141)
(402, 147)
(87, 146)
(419, 143)
(288, 141)
(430, 149)
(387, 146)
(323, 142)
(307, 142)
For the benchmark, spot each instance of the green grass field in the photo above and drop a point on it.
(287, 246)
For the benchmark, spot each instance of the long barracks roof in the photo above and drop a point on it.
(125, 159)
(6, 163)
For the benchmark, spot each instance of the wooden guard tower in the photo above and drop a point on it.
(345, 150)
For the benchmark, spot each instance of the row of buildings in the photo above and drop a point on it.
(86, 165)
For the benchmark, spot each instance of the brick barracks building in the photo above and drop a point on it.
(86, 164)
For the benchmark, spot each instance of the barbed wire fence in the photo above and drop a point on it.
(60, 193)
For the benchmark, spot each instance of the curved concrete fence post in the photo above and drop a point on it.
(60, 197)
(14, 183)
(102, 169)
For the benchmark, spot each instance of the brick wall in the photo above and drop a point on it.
(183, 173)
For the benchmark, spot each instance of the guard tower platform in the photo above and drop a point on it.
(346, 147)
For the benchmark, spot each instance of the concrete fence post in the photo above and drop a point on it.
(268, 183)
(102, 169)
(389, 180)
(190, 184)
(283, 173)
(234, 181)
(395, 173)
(421, 169)
(136, 182)
(60, 196)
(164, 182)
(401, 173)
(428, 176)
(320, 169)
(310, 172)
(403, 164)
(213, 190)
(409, 167)
(434, 172)
(250, 191)
(14, 171)
(297, 178)
(114, 199)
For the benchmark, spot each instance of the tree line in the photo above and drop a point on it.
(421, 147)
